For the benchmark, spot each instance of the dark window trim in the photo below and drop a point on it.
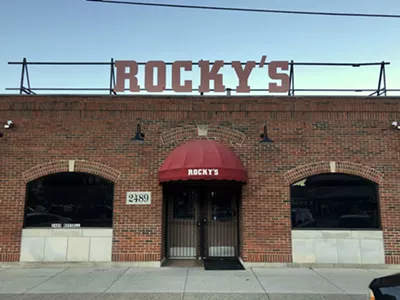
(335, 229)
(376, 188)
(82, 227)
(24, 225)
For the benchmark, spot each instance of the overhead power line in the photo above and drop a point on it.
(293, 12)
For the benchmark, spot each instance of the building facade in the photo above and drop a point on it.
(147, 179)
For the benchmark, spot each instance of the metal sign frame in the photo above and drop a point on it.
(25, 85)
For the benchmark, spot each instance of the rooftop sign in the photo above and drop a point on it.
(276, 77)
(128, 70)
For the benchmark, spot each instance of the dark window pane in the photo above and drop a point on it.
(335, 201)
(64, 198)
(183, 205)
(221, 207)
(390, 293)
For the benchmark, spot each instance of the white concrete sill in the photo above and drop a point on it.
(66, 245)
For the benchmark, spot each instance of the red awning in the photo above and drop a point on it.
(202, 160)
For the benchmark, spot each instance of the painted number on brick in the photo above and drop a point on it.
(138, 198)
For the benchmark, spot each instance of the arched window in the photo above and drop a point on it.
(335, 201)
(69, 200)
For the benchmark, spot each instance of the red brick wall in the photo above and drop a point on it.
(354, 132)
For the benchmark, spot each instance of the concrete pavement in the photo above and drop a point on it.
(186, 283)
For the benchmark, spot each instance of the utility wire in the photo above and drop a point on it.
(293, 12)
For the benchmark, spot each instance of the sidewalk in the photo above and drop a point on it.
(186, 283)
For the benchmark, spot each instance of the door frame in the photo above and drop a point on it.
(201, 185)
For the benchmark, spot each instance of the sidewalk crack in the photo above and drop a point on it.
(331, 283)
(259, 282)
(45, 280)
(184, 287)
(123, 273)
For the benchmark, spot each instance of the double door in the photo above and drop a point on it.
(202, 222)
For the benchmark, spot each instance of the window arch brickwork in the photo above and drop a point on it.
(345, 167)
(174, 135)
(83, 166)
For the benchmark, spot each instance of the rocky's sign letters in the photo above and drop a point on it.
(128, 70)
(199, 172)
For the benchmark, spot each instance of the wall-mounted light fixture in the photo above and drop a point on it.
(139, 137)
(396, 125)
(9, 124)
(264, 136)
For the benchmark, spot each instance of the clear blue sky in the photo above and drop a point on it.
(76, 30)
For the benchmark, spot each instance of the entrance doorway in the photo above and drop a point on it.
(202, 220)
(202, 190)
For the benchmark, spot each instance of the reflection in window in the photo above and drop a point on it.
(335, 201)
(183, 206)
(69, 198)
(221, 207)
(389, 293)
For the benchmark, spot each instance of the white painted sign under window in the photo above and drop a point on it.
(138, 198)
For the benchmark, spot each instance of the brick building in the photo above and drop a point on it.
(198, 182)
